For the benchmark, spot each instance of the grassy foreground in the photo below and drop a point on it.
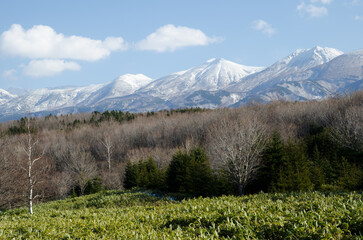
(136, 215)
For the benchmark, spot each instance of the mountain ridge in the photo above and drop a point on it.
(305, 74)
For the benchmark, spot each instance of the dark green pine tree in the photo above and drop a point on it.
(177, 171)
(301, 164)
(294, 173)
(143, 174)
(317, 169)
(131, 175)
(153, 173)
(350, 175)
(271, 173)
(198, 174)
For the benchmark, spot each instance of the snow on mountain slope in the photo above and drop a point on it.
(342, 74)
(199, 86)
(347, 67)
(5, 96)
(304, 59)
(303, 75)
(52, 99)
(213, 75)
(335, 75)
(298, 61)
(48, 99)
(122, 86)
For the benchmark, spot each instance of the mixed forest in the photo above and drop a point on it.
(273, 148)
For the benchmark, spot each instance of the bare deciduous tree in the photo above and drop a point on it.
(238, 144)
(29, 149)
(347, 127)
(107, 143)
(82, 167)
(61, 183)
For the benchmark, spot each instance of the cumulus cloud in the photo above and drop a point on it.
(48, 67)
(43, 42)
(170, 38)
(312, 10)
(52, 53)
(264, 27)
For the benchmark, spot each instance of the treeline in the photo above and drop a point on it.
(277, 147)
(313, 163)
(188, 173)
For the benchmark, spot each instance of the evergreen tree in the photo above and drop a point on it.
(94, 186)
(198, 174)
(142, 174)
(350, 175)
(294, 173)
(317, 173)
(273, 161)
(190, 173)
(131, 176)
(153, 174)
(176, 172)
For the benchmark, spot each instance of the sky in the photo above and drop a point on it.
(76, 43)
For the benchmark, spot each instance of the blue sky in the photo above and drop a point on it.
(61, 43)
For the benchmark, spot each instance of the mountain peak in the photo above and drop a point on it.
(305, 74)
(131, 76)
(5, 96)
(129, 82)
(326, 53)
(211, 60)
(223, 63)
(216, 60)
(307, 58)
(317, 48)
(213, 75)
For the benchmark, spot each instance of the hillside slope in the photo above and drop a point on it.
(135, 215)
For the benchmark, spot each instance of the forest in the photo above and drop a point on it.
(276, 147)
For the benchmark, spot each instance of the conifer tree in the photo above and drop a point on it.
(273, 160)
(176, 172)
(317, 173)
(349, 176)
(198, 174)
(131, 176)
(153, 174)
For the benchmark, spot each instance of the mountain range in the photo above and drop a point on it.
(306, 74)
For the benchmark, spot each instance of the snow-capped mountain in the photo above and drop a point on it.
(18, 91)
(305, 74)
(5, 96)
(298, 61)
(124, 85)
(214, 75)
(343, 74)
(48, 99)
(187, 88)
(42, 100)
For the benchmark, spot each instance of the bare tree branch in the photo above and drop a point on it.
(238, 144)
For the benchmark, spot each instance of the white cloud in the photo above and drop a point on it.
(43, 42)
(313, 10)
(48, 67)
(170, 37)
(321, 1)
(10, 74)
(358, 18)
(263, 26)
